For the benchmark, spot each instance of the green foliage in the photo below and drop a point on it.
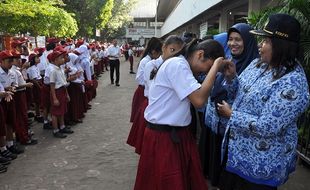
(212, 31)
(120, 18)
(37, 17)
(90, 14)
(300, 9)
(106, 13)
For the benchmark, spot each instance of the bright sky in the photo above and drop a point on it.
(144, 8)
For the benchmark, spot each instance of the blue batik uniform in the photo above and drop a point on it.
(262, 130)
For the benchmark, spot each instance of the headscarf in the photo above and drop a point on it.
(250, 51)
(83, 50)
(222, 39)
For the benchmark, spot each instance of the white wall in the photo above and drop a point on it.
(185, 11)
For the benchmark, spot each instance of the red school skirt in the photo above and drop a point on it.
(21, 124)
(45, 96)
(9, 112)
(167, 165)
(75, 106)
(137, 99)
(37, 95)
(2, 121)
(135, 137)
(61, 109)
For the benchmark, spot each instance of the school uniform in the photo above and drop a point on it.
(169, 156)
(34, 75)
(138, 96)
(135, 137)
(58, 78)
(21, 124)
(8, 79)
(2, 116)
(43, 62)
(45, 95)
(130, 54)
(75, 90)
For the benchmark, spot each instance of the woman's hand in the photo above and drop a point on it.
(224, 109)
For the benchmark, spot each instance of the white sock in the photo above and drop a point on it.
(3, 148)
(56, 130)
(62, 127)
(46, 121)
(9, 143)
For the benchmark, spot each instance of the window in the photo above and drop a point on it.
(159, 24)
(139, 24)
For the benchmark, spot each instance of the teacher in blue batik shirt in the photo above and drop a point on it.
(259, 146)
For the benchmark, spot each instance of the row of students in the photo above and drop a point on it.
(22, 84)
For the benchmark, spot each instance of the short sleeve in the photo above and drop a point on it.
(52, 76)
(181, 78)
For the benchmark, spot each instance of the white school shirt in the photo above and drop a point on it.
(114, 51)
(168, 102)
(43, 62)
(85, 64)
(155, 63)
(1, 90)
(58, 77)
(34, 73)
(7, 79)
(140, 71)
(46, 79)
(130, 52)
(19, 77)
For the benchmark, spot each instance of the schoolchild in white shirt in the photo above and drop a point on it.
(34, 76)
(152, 51)
(8, 81)
(59, 94)
(169, 156)
(172, 45)
(22, 130)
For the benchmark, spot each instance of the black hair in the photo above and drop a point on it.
(154, 44)
(50, 46)
(173, 39)
(212, 49)
(32, 61)
(284, 54)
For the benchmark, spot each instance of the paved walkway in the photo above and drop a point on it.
(96, 156)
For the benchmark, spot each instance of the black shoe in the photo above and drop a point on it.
(131, 72)
(70, 123)
(8, 154)
(112, 82)
(31, 142)
(39, 119)
(59, 135)
(78, 121)
(47, 126)
(16, 149)
(5, 161)
(117, 84)
(66, 130)
(3, 168)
